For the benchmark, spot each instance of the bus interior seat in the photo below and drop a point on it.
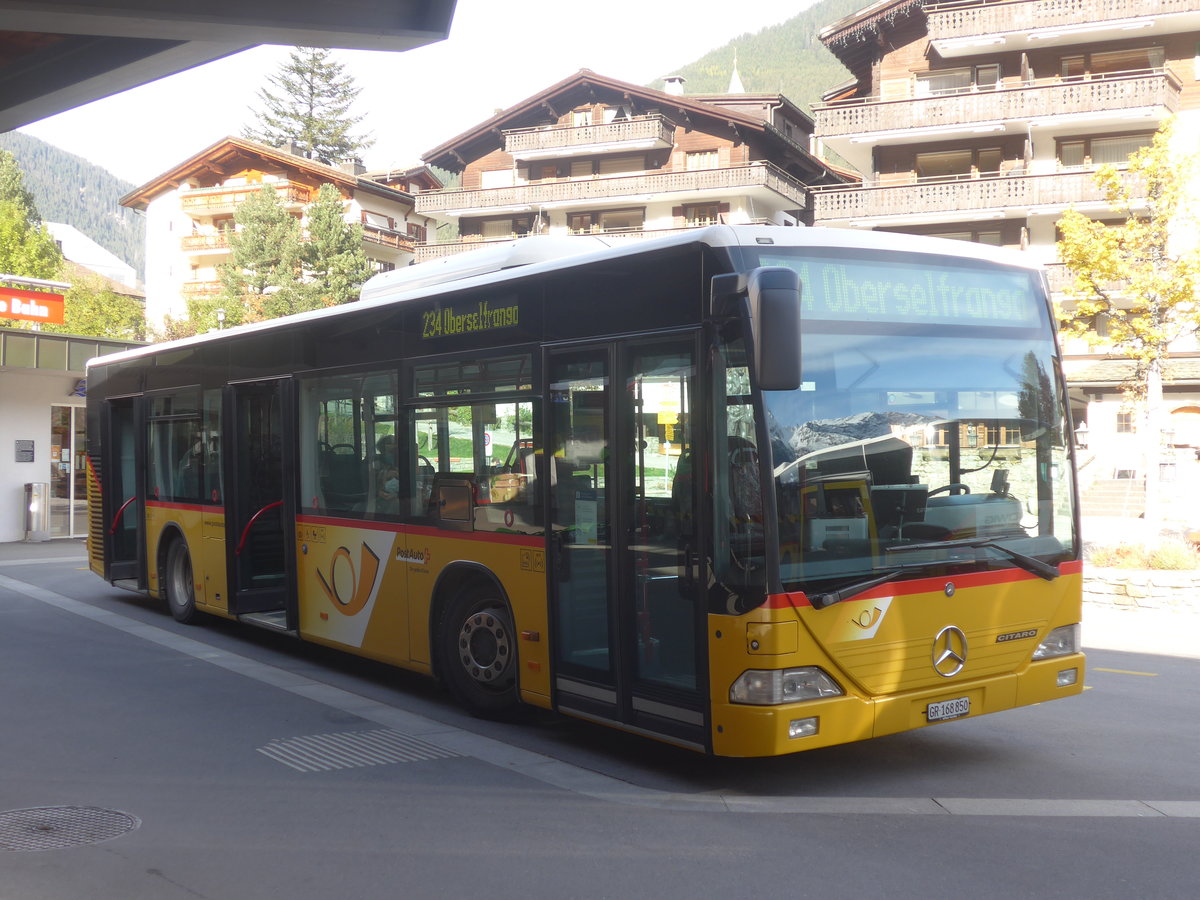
(345, 480)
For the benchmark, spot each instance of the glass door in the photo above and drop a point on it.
(258, 516)
(628, 612)
(122, 510)
(68, 473)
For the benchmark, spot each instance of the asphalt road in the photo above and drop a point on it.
(224, 762)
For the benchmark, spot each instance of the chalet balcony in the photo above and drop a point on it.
(649, 133)
(1007, 108)
(386, 237)
(968, 199)
(963, 27)
(427, 252)
(201, 289)
(224, 199)
(702, 184)
(204, 243)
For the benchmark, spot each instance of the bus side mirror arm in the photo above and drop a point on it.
(771, 297)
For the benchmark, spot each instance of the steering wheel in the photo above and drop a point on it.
(949, 487)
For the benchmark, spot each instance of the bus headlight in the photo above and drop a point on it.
(770, 687)
(1060, 642)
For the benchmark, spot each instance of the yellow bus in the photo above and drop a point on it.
(747, 490)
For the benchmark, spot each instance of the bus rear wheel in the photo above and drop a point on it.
(478, 650)
(181, 594)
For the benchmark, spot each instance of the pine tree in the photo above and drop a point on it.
(309, 102)
(334, 262)
(261, 280)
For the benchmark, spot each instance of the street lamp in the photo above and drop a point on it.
(1081, 436)
(220, 318)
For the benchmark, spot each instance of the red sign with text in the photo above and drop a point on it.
(31, 306)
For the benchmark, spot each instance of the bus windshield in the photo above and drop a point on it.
(929, 429)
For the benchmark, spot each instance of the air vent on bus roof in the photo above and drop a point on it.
(522, 252)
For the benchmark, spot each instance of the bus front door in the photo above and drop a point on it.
(627, 611)
(258, 514)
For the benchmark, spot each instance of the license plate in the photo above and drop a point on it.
(948, 709)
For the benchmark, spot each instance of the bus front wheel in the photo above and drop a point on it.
(181, 594)
(479, 650)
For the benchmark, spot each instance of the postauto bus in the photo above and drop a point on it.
(747, 490)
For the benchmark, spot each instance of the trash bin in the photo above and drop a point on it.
(37, 511)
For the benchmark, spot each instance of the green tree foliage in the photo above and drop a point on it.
(787, 58)
(26, 248)
(13, 189)
(67, 188)
(335, 265)
(1141, 277)
(309, 101)
(261, 280)
(95, 309)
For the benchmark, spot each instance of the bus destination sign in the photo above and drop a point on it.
(906, 292)
(448, 321)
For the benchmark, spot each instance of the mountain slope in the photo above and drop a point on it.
(783, 59)
(67, 188)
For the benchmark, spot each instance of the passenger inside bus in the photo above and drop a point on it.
(387, 476)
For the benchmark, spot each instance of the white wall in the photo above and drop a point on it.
(28, 395)
(166, 266)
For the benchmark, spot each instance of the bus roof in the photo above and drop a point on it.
(546, 253)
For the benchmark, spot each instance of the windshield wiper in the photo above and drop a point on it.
(1028, 563)
(820, 601)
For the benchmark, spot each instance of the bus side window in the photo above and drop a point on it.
(485, 444)
(345, 421)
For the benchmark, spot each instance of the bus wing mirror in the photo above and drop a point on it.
(774, 297)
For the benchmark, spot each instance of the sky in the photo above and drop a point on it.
(498, 53)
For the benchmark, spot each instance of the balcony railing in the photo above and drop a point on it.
(1102, 94)
(970, 18)
(923, 197)
(201, 288)
(198, 200)
(523, 142)
(387, 237)
(755, 175)
(426, 252)
(193, 243)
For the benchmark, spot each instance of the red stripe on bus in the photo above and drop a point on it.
(925, 585)
(191, 507)
(489, 537)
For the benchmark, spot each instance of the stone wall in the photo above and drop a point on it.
(1146, 588)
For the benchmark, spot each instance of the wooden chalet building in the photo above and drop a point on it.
(984, 120)
(592, 154)
(190, 213)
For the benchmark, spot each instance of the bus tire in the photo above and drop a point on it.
(479, 652)
(181, 594)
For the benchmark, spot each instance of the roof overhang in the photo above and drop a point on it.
(59, 54)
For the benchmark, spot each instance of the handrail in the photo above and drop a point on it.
(120, 512)
(254, 518)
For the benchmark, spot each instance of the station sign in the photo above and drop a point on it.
(31, 306)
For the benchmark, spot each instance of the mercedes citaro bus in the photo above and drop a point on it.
(748, 490)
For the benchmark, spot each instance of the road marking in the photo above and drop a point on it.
(1125, 672)
(596, 785)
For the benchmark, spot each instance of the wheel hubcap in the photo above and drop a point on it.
(484, 646)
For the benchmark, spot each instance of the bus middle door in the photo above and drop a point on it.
(259, 514)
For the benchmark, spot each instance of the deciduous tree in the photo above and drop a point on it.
(1139, 278)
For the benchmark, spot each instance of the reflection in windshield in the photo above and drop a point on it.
(910, 443)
